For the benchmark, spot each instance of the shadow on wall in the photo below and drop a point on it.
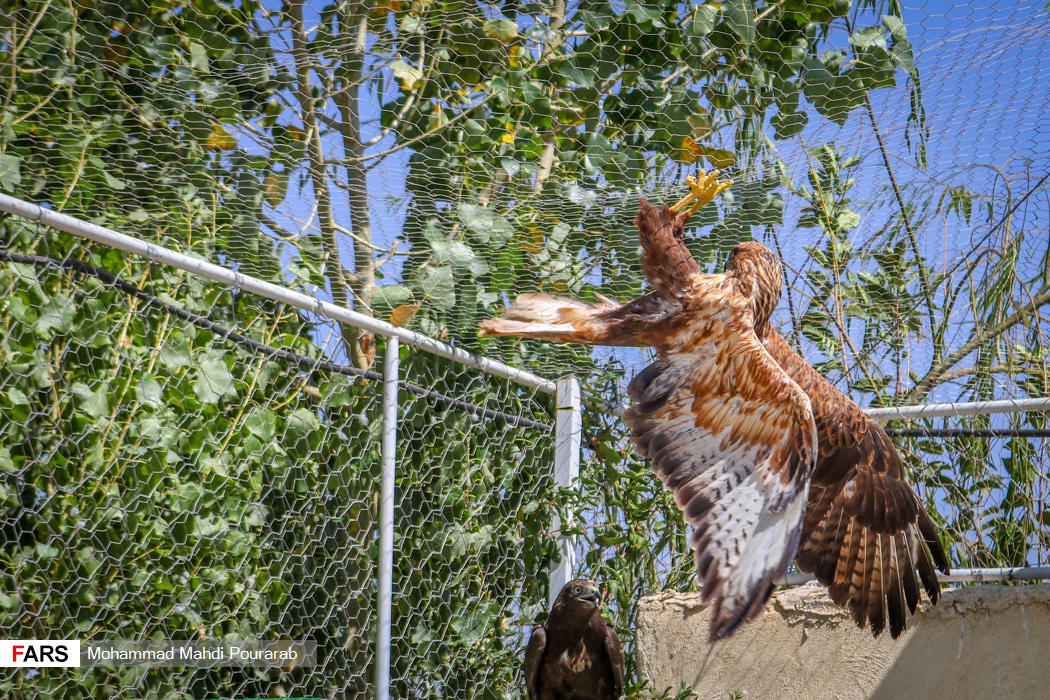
(979, 642)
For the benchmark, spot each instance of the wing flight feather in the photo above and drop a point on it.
(616, 661)
(733, 438)
(533, 661)
(889, 535)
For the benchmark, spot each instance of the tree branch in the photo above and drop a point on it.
(549, 137)
(954, 374)
(924, 275)
(941, 369)
(348, 100)
(333, 267)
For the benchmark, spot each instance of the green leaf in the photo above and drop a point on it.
(788, 124)
(261, 423)
(408, 75)
(94, 403)
(386, 299)
(149, 391)
(599, 154)
(816, 81)
(455, 253)
(301, 424)
(902, 49)
(510, 165)
(843, 98)
(502, 30)
(703, 21)
(186, 497)
(411, 25)
(16, 397)
(176, 352)
(578, 195)
(275, 186)
(788, 95)
(112, 182)
(214, 381)
(198, 57)
(10, 171)
(422, 636)
(792, 58)
(848, 220)
(902, 54)
(437, 285)
(138, 216)
(56, 316)
(896, 27)
(580, 70)
(874, 69)
(558, 234)
(489, 226)
(6, 463)
(869, 36)
(740, 17)
(644, 13)
(471, 627)
(45, 552)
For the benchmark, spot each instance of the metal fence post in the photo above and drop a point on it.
(386, 518)
(568, 431)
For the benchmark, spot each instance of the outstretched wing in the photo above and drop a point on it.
(534, 660)
(865, 532)
(668, 265)
(733, 437)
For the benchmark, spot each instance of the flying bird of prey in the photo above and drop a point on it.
(575, 654)
(768, 461)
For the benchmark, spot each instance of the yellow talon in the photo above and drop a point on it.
(701, 192)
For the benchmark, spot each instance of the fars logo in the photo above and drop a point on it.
(38, 653)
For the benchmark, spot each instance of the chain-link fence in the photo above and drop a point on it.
(195, 470)
(188, 458)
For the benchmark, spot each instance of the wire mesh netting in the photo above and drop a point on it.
(424, 162)
(164, 479)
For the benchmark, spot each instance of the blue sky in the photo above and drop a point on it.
(986, 85)
(985, 69)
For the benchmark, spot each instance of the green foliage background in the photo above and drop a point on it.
(159, 482)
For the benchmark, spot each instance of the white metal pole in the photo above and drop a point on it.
(386, 518)
(568, 436)
(129, 244)
(1021, 573)
(972, 408)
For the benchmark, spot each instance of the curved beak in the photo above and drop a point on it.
(592, 596)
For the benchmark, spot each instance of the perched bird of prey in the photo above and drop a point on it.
(575, 654)
(768, 461)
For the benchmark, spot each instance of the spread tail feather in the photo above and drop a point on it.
(547, 317)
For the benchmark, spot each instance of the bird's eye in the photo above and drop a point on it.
(576, 589)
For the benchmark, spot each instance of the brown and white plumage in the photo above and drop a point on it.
(575, 654)
(767, 460)
(865, 532)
